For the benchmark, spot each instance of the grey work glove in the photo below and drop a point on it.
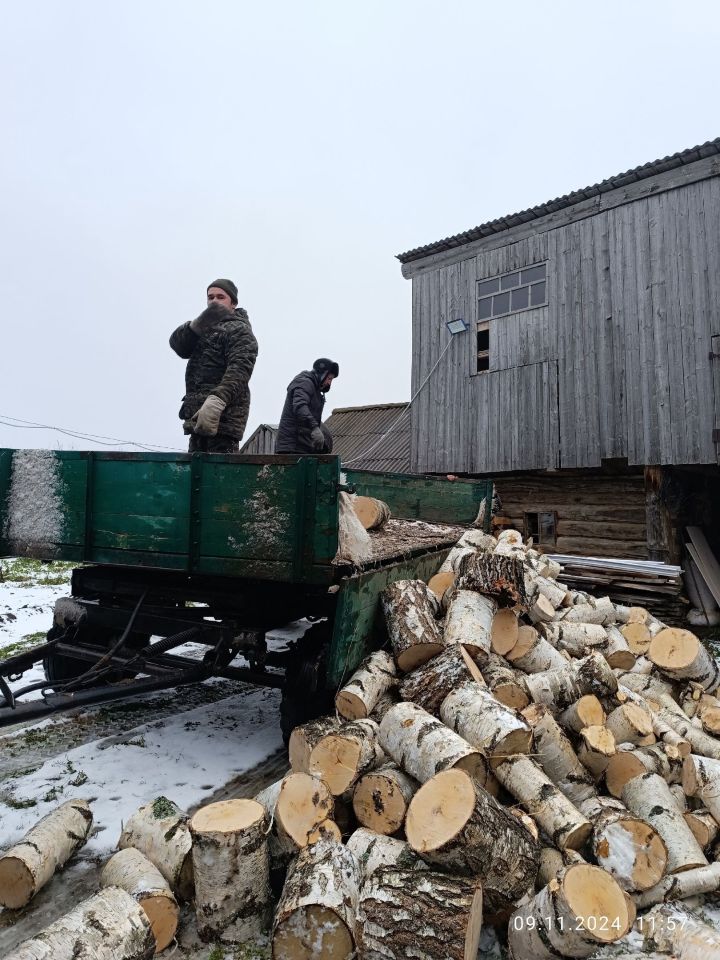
(206, 421)
(209, 319)
(317, 438)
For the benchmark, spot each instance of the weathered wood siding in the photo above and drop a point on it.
(616, 366)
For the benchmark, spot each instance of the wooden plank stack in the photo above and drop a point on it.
(525, 755)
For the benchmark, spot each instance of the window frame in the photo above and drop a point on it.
(500, 277)
(527, 534)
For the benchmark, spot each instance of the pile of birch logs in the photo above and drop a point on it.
(523, 756)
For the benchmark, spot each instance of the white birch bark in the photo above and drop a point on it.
(587, 711)
(629, 723)
(489, 726)
(373, 850)
(551, 809)
(617, 652)
(232, 870)
(317, 912)
(414, 633)
(160, 831)
(341, 757)
(27, 866)
(538, 656)
(576, 913)
(680, 886)
(596, 748)
(649, 798)
(577, 638)
(304, 738)
(701, 779)
(108, 926)
(374, 677)
(454, 823)
(132, 871)
(558, 689)
(422, 746)
(672, 929)
(469, 622)
(428, 686)
(556, 755)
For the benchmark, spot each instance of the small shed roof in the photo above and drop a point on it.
(358, 435)
(681, 159)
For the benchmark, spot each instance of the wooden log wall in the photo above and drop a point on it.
(597, 514)
(617, 365)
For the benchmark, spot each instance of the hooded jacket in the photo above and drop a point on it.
(302, 412)
(220, 362)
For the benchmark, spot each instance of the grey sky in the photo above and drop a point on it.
(148, 148)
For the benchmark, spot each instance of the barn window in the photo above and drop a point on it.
(512, 292)
(541, 527)
(483, 347)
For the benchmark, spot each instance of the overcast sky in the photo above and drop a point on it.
(148, 148)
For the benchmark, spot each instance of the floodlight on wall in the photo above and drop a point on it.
(456, 326)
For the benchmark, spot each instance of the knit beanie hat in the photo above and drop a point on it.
(228, 286)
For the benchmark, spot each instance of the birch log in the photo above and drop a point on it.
(629, 723)
(691, 883)
(628, 764)
(412, 628)
(540, 610)
(579, 911)
(381, 798)
(317, 912)
(577, 638)
(558, 689)
(386, 701)
(132, 871)
(507, 685)
(617, 652)
(649, 798)
(638, 638)
(627, 847)
(454, 823)
(341, 757)
(422, 915)
(160, 831)
(469, 622)
(296, 807)
(497, 576)
(432, 682)
(672, 929)
(303, 739)
(26, 867)
(701, 779)
(704, 827)
(374, 677)
(585, 712)
(554, 813)
(422, 746)
(493, 729)
(555, 754)
(108, 926)
(596, 748)
(232, 870)
(374, 850)
(537, 656)
(680, 655)
(371, 513)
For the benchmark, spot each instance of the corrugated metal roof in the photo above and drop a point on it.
(681, 159)
(357, 430)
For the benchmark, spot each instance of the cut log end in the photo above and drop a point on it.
(592, 894)
(227, 816)
(17, 884)
(453, 793)
(504, 633)
(312, 931)
(416, 655)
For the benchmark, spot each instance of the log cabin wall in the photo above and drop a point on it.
(584, 512)
(618, 363)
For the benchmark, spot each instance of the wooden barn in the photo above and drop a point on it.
(587, 381)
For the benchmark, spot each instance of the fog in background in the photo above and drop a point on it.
(148, 148)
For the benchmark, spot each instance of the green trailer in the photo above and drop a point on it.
(216, 550)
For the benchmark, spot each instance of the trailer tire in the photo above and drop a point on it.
(305, 695)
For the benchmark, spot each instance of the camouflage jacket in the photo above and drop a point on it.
(220, 363)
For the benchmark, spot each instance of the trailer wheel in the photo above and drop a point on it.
(59, 668)
(305, 696)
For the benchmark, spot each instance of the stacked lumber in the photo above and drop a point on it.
(525, 755)
(658, 587)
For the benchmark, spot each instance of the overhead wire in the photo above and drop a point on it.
(18, 423)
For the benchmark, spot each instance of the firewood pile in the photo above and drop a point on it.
(523, 756)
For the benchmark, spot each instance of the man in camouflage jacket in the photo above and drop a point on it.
(221, 350)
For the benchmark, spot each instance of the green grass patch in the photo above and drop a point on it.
(29, 641)
(19, 804)
(52, 573)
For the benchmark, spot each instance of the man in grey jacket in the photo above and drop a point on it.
(221, 350)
